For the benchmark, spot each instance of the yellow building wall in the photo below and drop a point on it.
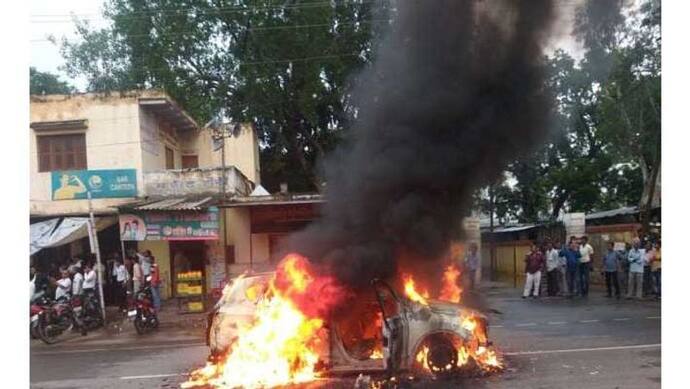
(161, 250)
(241, 151)
(260, 249)
(112, 142)
(154, 159)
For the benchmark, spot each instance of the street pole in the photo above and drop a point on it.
(222, 166)
(95, 249)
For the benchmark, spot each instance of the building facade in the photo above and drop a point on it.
(158, 182)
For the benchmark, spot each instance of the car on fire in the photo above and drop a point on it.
(382, 330)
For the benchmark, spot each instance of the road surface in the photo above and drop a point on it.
(550, 343)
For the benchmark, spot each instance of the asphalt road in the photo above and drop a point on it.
(548, 343)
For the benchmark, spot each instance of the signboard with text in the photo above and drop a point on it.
(176, 225)
(103, 184)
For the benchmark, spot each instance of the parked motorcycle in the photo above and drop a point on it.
(87, 312)
(142, 312)
(39, 303)
(56, 320)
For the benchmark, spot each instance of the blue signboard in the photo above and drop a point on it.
(103, 184)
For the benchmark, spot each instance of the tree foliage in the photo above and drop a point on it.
(604, 149)
(46, 83)
(284, 66)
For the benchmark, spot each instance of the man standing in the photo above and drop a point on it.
(472, 264)
(63, 286)
(89, 285)
(77, 282)
(137, 275)
(611, 271)
(562, 268)
(647, 287)
(636, 258)
(656, 268)
(155, 284)
(534, 263)
(586, 252)
(552, 269)
(572, 261)
(121, 278)
(145, 259)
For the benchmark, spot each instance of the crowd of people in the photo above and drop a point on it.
(79, 277)
(634, 270)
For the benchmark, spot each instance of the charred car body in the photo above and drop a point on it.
(381, 331)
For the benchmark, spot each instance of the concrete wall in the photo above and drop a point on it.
(241, 151)
(172, 183)
(112, 142)
(238, 234)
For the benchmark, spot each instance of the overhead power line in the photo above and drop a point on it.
(253, 29)
(196, 11)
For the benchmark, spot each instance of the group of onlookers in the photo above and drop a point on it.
(119, 277)
(77, 279)
(567, 268)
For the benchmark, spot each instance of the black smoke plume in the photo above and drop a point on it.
(455, 92)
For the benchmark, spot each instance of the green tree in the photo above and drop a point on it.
(285, 67)
(631, 103)
(45, 83)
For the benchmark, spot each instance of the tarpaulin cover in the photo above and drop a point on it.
(68, 230)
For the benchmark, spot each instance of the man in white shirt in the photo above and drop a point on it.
(552, 269)
(77, 283)
(89, 285)
(145, 261)
(586, 253)
(63, 286)
(121, 278)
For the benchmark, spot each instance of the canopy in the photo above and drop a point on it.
(57, 232)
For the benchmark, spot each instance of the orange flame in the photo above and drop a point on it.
(281, 345)
(450, 291)
(411, 291)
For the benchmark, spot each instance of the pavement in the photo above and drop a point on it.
(547, 343)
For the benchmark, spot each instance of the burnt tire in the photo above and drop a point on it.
(441, 358)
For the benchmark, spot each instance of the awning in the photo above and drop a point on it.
(172, 204)
(51, 234)
(40, 234)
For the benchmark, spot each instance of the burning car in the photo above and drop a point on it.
(380, 330)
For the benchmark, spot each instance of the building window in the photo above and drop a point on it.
(190, 161)
(61, 152)
(169, 158)
(229, 255)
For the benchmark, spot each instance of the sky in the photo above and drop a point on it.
(51, 17)
(54, 18)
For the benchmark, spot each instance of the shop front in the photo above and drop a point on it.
(183, 236)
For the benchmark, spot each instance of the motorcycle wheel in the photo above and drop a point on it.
(139, 325)
(46, 332)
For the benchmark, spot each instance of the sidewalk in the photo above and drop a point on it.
(174, 328)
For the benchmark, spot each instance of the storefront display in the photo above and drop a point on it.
(190, 291)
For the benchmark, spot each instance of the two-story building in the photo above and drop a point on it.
(157, 183)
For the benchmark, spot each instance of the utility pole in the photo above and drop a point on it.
(96, 250)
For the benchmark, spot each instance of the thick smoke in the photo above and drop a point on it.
(456, 91)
